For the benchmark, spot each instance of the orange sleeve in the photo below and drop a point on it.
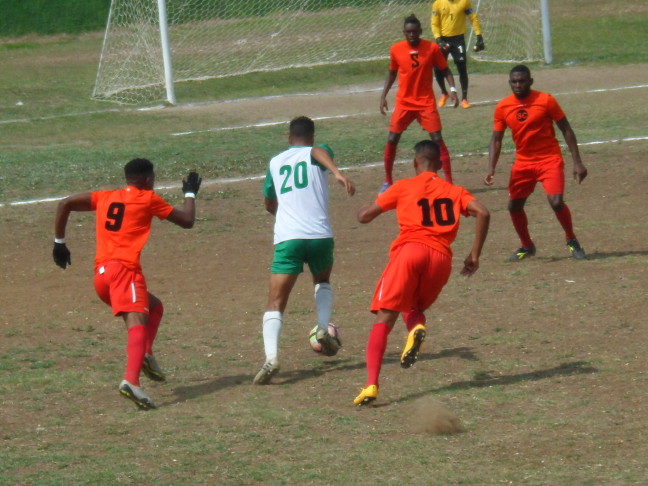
(553, 108)
(159, 207)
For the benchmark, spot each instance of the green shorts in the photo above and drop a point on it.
(290, 256)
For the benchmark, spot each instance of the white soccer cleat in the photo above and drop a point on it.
(267, 371)
(136, 395)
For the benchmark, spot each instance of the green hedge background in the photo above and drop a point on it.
(46, 17)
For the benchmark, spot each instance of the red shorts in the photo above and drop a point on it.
(428, 118)
(412, 280)
(525, 176)
(121, 288)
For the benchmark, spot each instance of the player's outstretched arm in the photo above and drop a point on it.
(479, 211)
(580, 172)
(78, 202)
(369, 212)
(323, 157)
(186, 216)
(494, 150)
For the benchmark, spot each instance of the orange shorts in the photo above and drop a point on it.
(121, 288)
(551, 174)
(428, 119)
(412, 280)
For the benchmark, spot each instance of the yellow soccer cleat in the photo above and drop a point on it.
(442, 100)
(367, 395)
(412, 346)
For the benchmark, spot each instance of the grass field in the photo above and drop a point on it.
(543, 362)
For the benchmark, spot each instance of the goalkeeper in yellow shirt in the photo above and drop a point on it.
(448, 28)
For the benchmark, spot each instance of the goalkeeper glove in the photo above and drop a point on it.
(445, 47)
(61, 254)
(479, 45)
(191, 184)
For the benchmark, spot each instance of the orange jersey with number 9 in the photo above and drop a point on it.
(124, 223)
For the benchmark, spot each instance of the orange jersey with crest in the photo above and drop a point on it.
(531, 121)
(124, 223)
(428, 210)
(415, 66)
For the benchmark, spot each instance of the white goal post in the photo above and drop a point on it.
(149, 45)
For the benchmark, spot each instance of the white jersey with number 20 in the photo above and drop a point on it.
(300, 186)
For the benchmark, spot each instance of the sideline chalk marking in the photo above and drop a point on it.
(256, 177)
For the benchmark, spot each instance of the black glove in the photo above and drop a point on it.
(191, 183)
(62, 256)
(445, 47)
(479, 45)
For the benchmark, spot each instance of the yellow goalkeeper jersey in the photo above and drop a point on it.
(449, 18)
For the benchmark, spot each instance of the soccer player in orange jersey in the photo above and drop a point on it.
(412, 61)
(530, 115)
(428, 210)
(123, 225)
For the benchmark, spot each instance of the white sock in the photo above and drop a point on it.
(324, 304)
(272, 321)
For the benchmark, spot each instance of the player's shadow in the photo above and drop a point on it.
(348, 365)
(190, 392)
(590, 256)
(486, 380)
(614, 254)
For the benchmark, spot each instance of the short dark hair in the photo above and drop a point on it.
(412, 19)
(521, 68)
(424, 145)
(138, 167)
(302, 126)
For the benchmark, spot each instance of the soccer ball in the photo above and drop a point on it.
(333, 330)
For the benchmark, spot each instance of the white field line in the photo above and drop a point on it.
(230, 180)
(372, 164)
(348, 115)
(294, 95)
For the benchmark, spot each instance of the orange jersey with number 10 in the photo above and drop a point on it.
(124, 223)
(415, 67)
(428, 210)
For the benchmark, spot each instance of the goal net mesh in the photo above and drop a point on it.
(512, 30)
(217, 38)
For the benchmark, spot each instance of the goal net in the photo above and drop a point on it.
(512, 30)
(217, 38)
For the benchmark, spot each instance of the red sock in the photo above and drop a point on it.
(155, 316)
(565, 219)
(413, 319)
(445, 161)
(389, 156)
(375, 351)
(521, 225)
(135, 347)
